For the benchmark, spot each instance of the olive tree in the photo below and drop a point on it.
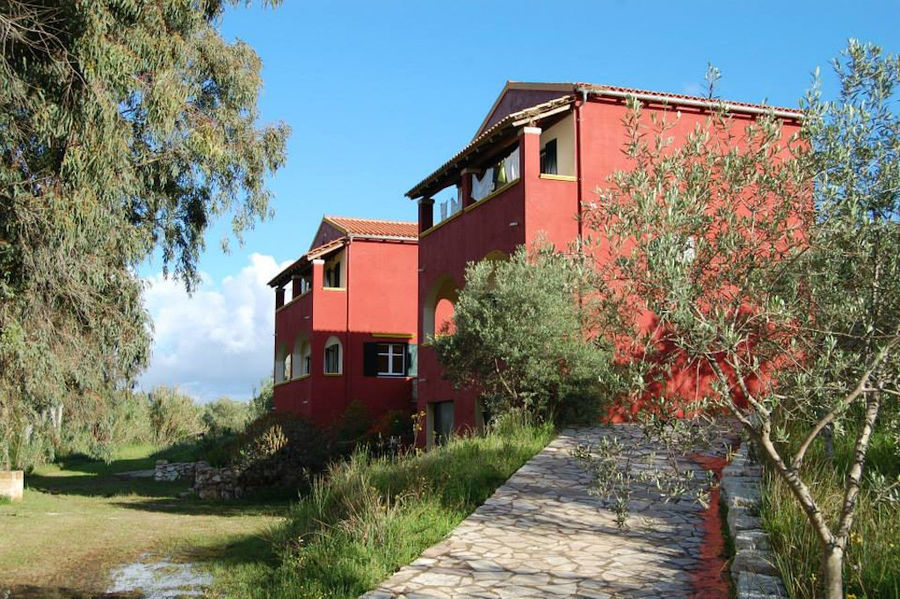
(520, 338)
(772, 263)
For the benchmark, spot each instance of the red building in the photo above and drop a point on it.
(348, 332)
(540, 152)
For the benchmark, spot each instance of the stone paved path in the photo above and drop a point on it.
(542, 535)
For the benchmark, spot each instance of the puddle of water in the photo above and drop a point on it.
(160, 579)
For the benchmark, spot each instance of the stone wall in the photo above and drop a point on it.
(12, 484)
(229, 482)
(165, 471)
(753, 569)
(217, 483)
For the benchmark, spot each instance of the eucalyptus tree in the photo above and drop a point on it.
(771, 263)
(126, 128)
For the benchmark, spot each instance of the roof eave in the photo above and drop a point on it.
(691, 101)
(499, 129)
(326, 248)
(362, 237)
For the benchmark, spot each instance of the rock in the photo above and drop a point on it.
(758, 586)
(754, 561)
(752, 569)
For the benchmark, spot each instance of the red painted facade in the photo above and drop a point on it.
(369, 299)
(589, 135)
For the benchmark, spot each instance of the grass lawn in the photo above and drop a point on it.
(79, 519)
(872, 562)
(362, 521)
(370, 516)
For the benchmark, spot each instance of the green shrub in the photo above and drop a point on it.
(353, 427)
(225, 416)
(263, 400)
(174, 416)
(281, 450)
(368, 516)
(121, 420)
(542, 367)
(394, 424)
(25, 444)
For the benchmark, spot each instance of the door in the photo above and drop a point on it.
(442, 421)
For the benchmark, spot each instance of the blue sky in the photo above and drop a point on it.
(379, 94)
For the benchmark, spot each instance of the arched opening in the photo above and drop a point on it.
(283, 364)
(439, 307)
(302, 360)
(443, 317)
(334, 356)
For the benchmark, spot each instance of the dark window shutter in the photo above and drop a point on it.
(370, 359)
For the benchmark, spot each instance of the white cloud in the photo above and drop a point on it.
(217, 341)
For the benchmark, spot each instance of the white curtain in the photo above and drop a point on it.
(511, 163)
(484, 185)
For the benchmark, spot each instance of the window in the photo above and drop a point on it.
(548, 158)
(306, 360)
(301, 357)
(333, 356)
(333, 275)
(392, 359)
(386, 359)
(286, 368)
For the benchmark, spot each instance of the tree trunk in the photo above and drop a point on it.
(833, 567)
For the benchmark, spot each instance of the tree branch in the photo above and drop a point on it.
(842, 405)
(856, 469)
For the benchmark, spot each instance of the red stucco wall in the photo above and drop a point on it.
(379, 297)
(541, 208)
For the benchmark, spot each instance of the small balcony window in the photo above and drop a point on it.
(333, 356)
(558, 148)
(302, 357)
(548, 159)
(333, 274)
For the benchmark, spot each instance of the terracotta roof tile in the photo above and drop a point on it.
(375, 227)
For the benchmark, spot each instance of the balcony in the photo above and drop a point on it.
(532, 156)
